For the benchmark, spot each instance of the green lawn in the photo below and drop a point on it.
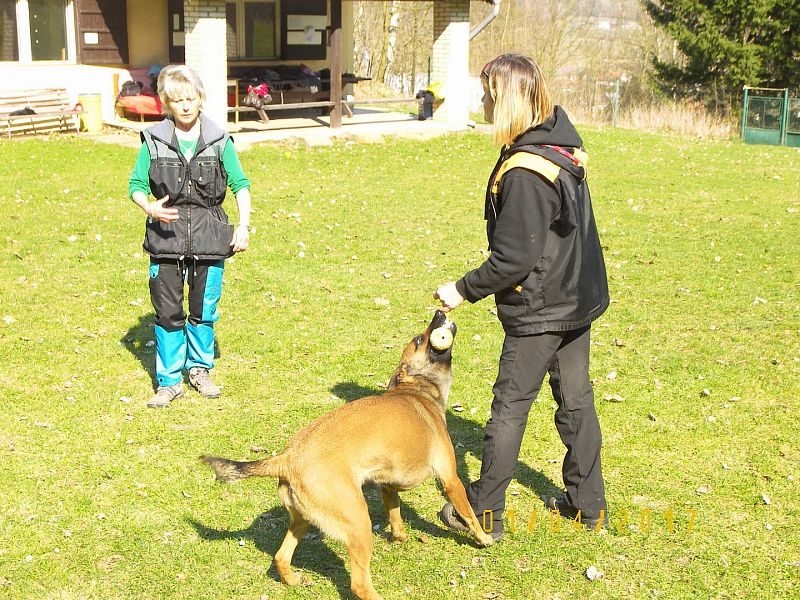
(102, 498)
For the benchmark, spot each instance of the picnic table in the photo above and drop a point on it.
(289, 94)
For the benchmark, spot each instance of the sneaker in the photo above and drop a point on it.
(452, 520)
(166, 394)
(566, 510)
(200, 379)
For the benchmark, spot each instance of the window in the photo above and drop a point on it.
(32, 30)
(251, 27)
(48, 29)
(8, 30)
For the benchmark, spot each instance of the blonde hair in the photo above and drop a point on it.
(522, 98)
(179, 81)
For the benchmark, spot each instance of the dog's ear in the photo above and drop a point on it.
(396, 378)
(400, 375)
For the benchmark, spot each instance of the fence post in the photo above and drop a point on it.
(744, 110)
(616, 103)
(784, 116)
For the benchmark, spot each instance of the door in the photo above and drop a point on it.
(177, 46)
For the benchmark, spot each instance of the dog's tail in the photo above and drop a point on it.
(229, 471)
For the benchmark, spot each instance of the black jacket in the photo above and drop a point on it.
(195, 187)
(546, 265)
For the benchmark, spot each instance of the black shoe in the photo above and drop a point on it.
(452, 520)
(566, 510)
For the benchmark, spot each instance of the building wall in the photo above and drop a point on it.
(148, 40)
(206, 52)
(76, 79)
(450, 58)
(148, 36)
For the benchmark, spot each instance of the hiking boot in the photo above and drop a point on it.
(200, 379)
(566, 510)
(166, 394)
(452, 520)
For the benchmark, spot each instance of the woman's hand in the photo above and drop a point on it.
(158, 212)
(448, 295)
(241, 238)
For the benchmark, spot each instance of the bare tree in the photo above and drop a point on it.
(583, 46)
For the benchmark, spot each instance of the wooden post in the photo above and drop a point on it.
(336, 63)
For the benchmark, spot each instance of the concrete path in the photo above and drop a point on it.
(366, 126)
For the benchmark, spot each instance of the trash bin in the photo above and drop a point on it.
(425, 104)
(92, 115)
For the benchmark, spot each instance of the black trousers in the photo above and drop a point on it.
(523, 364)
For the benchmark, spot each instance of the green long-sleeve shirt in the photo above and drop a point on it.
(140, 178)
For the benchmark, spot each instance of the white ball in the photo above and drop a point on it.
(441, 338)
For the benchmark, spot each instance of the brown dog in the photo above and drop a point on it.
(396, 440)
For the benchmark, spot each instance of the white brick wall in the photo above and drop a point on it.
(450, 58)
(206, 52)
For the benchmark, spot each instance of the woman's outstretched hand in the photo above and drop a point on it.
(448, 295)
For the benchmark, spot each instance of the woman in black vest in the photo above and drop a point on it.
(187, 162)
(546, 271)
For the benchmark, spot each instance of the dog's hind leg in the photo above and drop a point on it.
(338, 508)
(298, 525)
(391, 500)
(346, 518)
(359, 547)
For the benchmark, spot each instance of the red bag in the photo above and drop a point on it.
(257, 96)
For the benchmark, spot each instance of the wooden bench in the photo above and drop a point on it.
(262, 112)
(51, 111)
(347, 106)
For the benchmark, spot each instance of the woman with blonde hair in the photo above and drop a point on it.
(187, 162)
(546, 271)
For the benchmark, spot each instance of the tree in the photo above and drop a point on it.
(726, 44)
(391, 17)
(782, 61)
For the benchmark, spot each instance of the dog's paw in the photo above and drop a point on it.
(400, 537)
(485, 540)
(291, 578)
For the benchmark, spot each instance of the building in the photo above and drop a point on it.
(91, 46)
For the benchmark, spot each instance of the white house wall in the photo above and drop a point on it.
(450, 58)
(76, 79)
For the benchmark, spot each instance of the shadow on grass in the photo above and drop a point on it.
(349, 391)
(267, 532)
(135, 341)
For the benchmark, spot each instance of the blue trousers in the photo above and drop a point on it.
(180, 344)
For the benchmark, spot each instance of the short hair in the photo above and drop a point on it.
(522, 98)
(175, 81)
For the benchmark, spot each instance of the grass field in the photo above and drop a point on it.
(695, 366)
